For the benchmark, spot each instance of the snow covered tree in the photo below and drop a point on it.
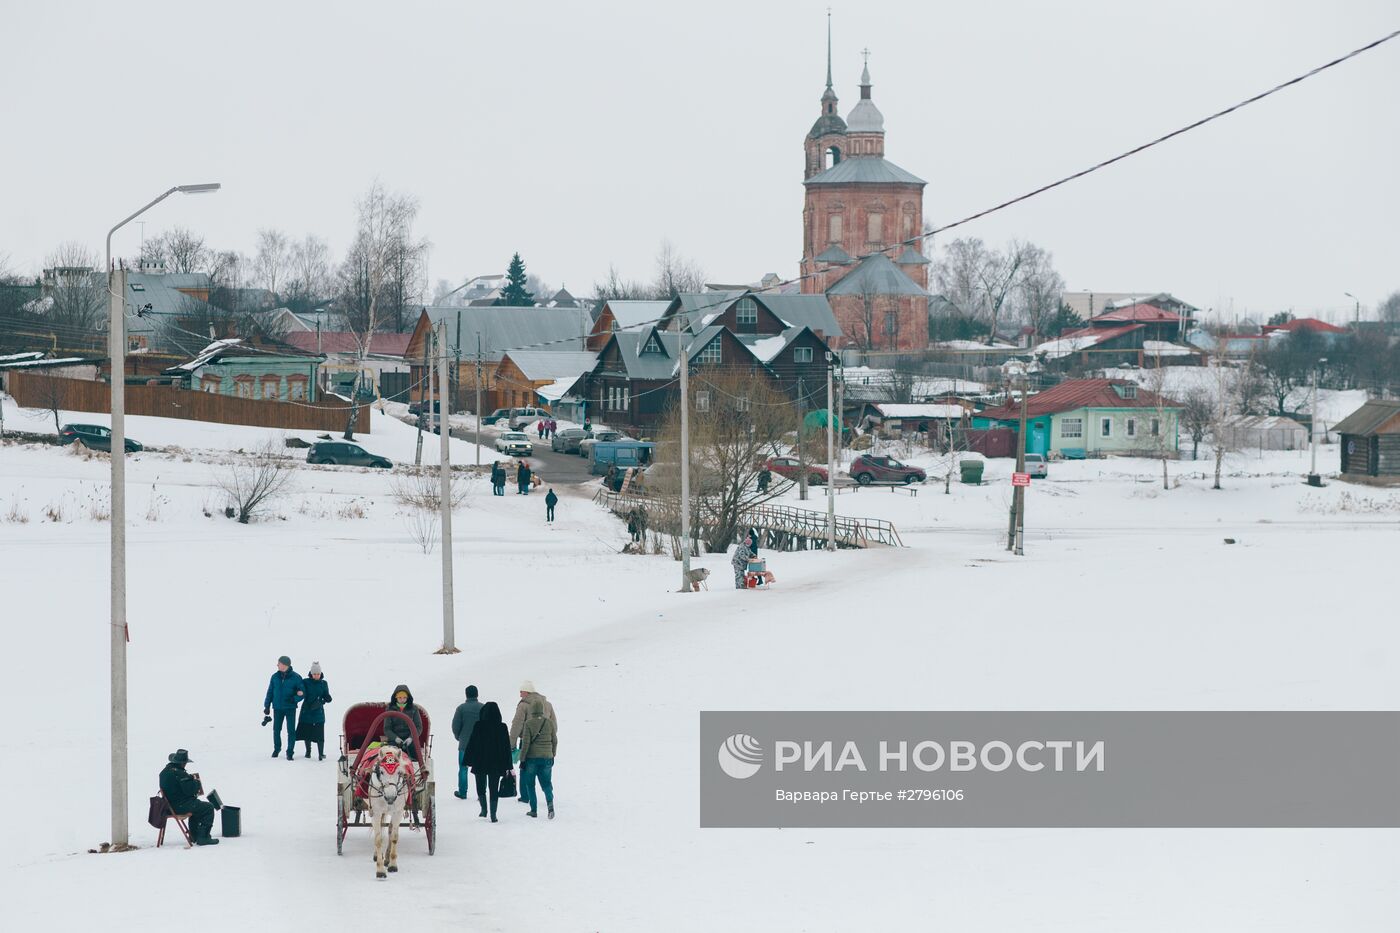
(516, 294)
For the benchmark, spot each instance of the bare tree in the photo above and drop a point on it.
(183, 250)
(902, 379)
(616, 288)
(1158, 443)
(732, 431)
(1227, 398)
(253, 483)
(1038, 289)
(1389, 310)
(75, 288)
(308, 273)
(379, 272)
(1197, 414)
(980, 280)
(675, 274)
(272, 260)
(869, 321)
(49, 395)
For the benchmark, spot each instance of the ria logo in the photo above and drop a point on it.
(740, 756)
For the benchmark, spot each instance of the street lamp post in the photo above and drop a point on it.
(1358, 305)
(116, 340)
(1314, 479)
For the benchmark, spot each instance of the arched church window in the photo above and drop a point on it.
(875, 228)
(834, 231)
(833, 155)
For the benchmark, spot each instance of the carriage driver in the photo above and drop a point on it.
(182, 792)
(396, 731)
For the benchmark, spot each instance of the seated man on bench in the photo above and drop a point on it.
(182, 792)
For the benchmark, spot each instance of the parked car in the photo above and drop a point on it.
(597, 435)
(519, 417)
(1036, 466)
(567, 440)
(867, 469)
(94, 436)
(515, 444)
(347, 454)
(621, 454)
(419, 407)
(498, 415)
(791, 468)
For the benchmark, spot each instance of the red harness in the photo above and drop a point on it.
(370, 761)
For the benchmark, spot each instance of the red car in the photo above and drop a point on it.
(790, 468)
(867, 469)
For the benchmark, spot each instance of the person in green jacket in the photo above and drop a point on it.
(182, 792)
(539, 740)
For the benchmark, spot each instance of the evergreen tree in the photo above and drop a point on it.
(515, 294)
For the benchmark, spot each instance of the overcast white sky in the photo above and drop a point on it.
(583, 133)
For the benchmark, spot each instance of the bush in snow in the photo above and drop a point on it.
(255, 482)
(421, 489)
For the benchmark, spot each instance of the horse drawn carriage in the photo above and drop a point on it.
(383, 786)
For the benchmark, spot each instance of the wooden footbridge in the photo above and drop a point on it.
(781, 527)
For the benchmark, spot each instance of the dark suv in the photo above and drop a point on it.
(343, 452)
(94, 436)
(867, 469)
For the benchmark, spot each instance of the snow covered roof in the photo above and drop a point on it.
(1165, 348)
(42, 364)
(920, 411)
(209, 353)
(556, 389)
(1081, 339)
(18, 357)
(538, 365)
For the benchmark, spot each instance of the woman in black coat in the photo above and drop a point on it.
(488, 755)
(312, 727)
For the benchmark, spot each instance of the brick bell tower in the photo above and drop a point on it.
(861, 221)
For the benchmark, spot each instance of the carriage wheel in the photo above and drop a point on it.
(430, 823)
(340, 824)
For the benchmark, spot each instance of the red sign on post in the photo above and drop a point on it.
(1020, 479)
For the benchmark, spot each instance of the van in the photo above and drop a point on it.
(520, 417)
(622, 454)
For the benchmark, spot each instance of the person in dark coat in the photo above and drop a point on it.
(488, 755)
(284, 692)
(764, 479)
(550, 501)
(182, 792)
(522, 478)
(462, 723)
(610, 477)
(396, 731)
(498, 479)
(312, 727)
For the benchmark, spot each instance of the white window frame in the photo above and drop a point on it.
(742, 403)
(1130, 427)
(653, 345)
(702, 400)
(706, 357)
(1105, 426)
(746, 311)
(1072, 433)
(802, 354)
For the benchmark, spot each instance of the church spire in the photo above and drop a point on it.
(828, 49)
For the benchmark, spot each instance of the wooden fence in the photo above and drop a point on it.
(35, 391)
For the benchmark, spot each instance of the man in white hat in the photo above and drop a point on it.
(529, 695)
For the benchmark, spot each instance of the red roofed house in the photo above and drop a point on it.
(385, 371)
(1329, 332)
(1087, 417)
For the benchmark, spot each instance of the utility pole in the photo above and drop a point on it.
(424, 390)
(116, 335)
(449, 642)
(457, 370)
(478, 393)
(1018, 497)
(801, 453)
(1313, 478)
(685, 455)
(830, 461)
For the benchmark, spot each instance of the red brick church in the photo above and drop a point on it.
(860, 208)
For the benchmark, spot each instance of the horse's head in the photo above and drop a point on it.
(390, 777)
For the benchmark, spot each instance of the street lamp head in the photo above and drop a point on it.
(198, 189)
(1351, 296)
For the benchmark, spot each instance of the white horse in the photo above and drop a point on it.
(390, 788)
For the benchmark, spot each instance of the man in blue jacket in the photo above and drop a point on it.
(284, 692)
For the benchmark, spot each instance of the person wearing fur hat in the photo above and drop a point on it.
(396, 731)
(284, 692)
(312, 727)
(182, 791)
(528, 695)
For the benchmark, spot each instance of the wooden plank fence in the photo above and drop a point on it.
(782, 527)
(34, 391)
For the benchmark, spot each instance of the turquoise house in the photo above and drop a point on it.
(1088, 417)
(231, 367)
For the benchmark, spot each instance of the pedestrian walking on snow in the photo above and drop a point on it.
(284, 692)
(538, 744)
(550, 501)
(522, 479)
(312, 727)
(528, 695)
(498, 479)
(463, 721)
(488, 755)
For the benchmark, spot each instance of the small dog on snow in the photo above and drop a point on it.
(696, 578)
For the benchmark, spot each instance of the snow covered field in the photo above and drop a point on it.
(1127, 598)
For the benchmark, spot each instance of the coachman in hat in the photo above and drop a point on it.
(182, 791)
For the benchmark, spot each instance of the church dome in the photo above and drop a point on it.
(827, 123)
(865, 117)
